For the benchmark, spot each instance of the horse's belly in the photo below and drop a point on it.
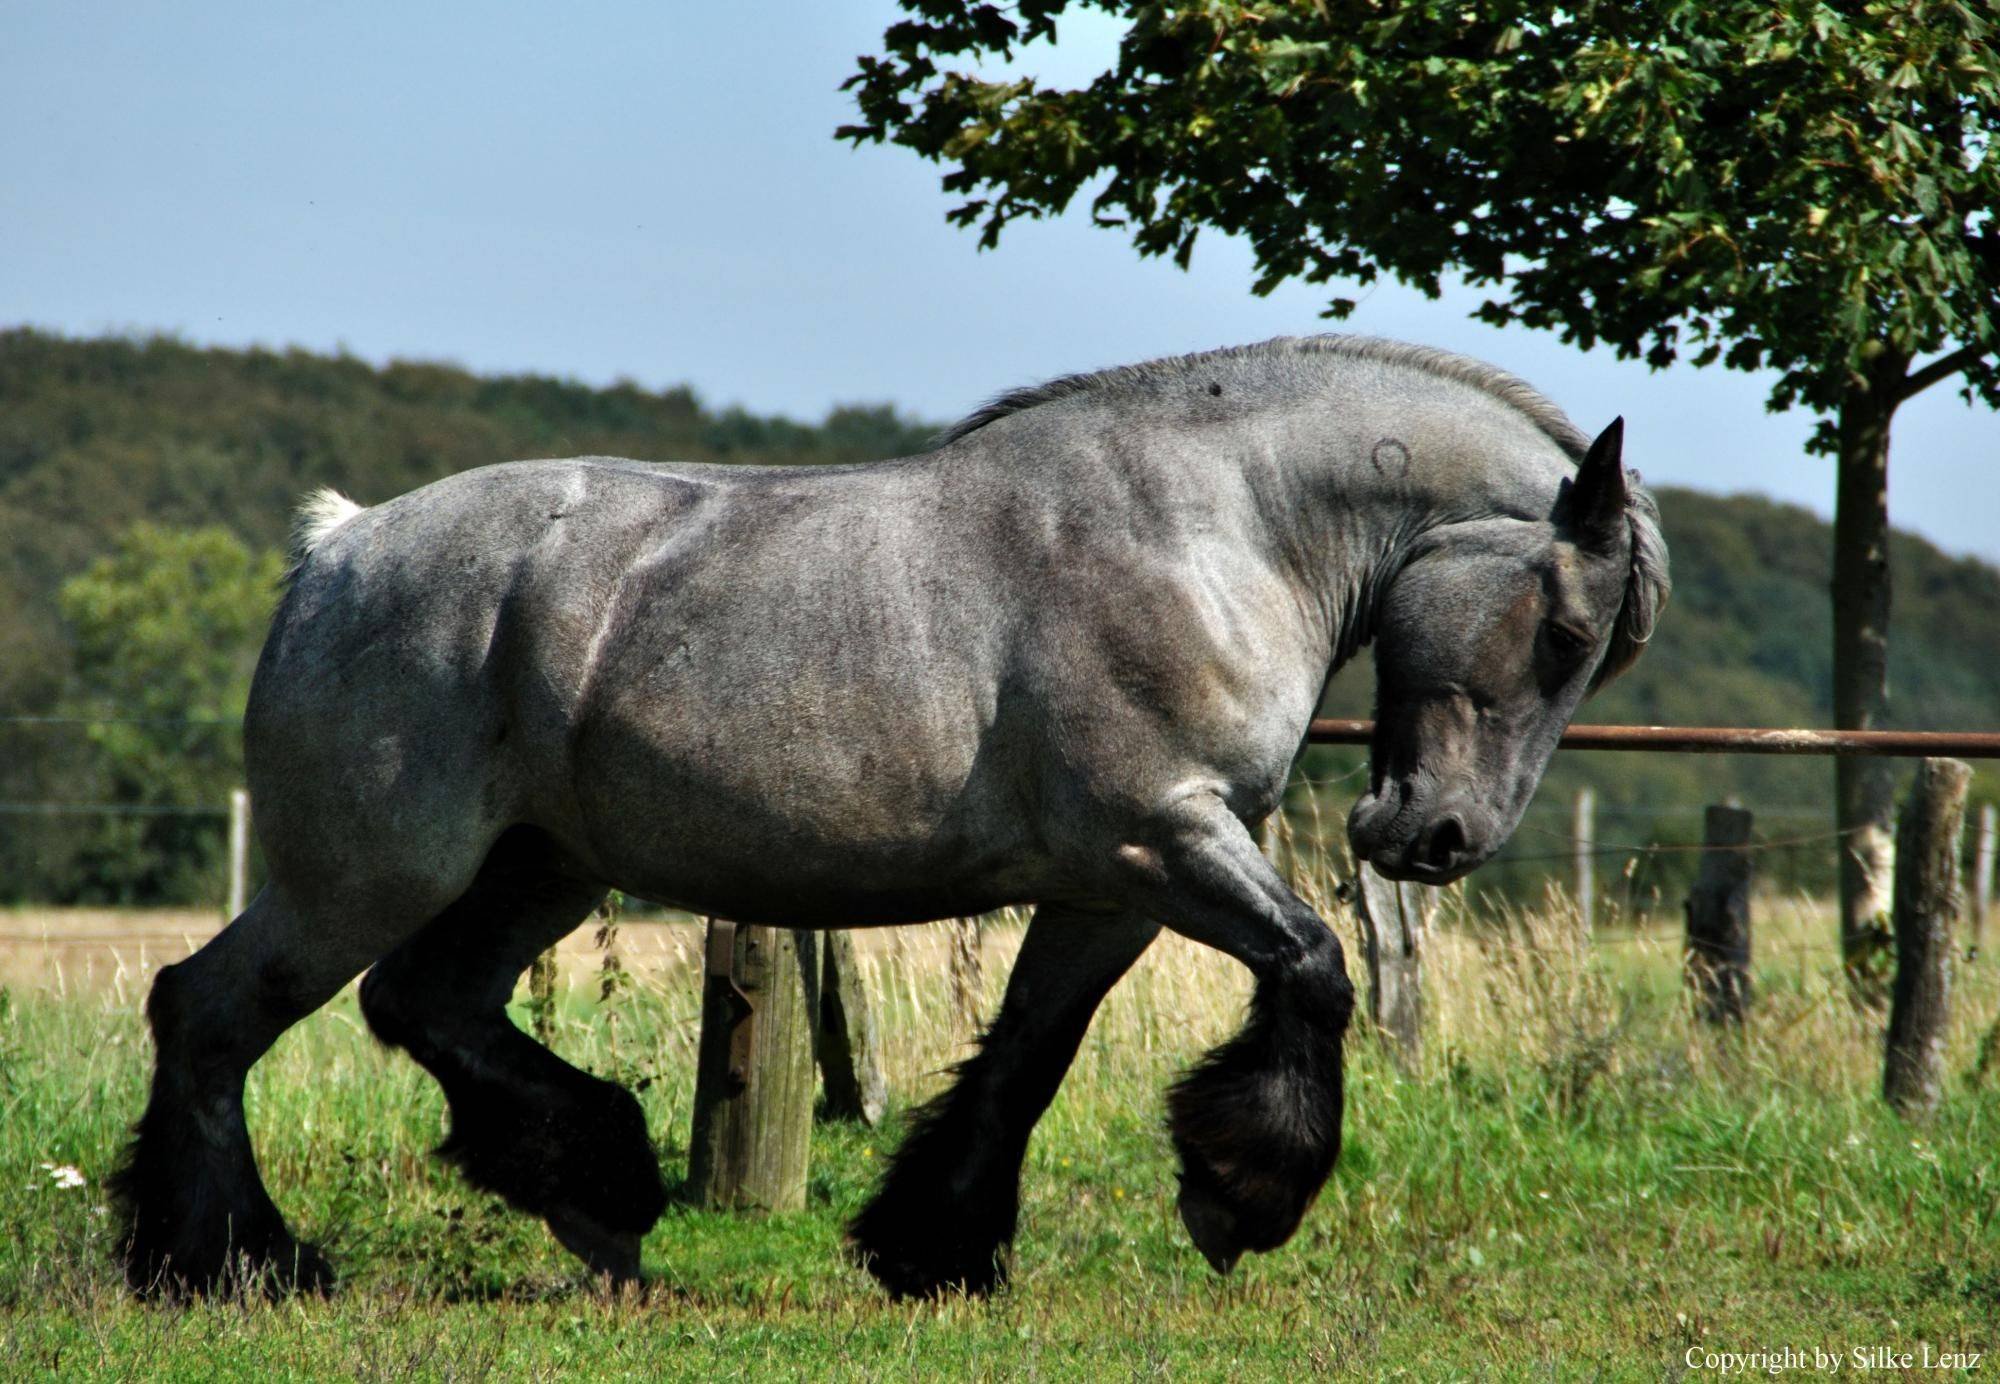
(764, 867)
(754, 811)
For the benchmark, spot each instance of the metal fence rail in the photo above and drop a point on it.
(1332, 731)
(1728, 740)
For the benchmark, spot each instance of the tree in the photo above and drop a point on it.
(166, 631)
(1798, 187)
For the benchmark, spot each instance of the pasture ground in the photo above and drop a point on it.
(1576, 1182)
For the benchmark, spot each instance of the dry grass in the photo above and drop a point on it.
(1577, 1177)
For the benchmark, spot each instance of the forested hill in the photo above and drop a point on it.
(97, 436)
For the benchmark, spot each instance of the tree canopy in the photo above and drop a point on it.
(166, 629)
(1794, 186)
(1806, 186)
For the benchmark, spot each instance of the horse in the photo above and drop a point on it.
(1065, 659)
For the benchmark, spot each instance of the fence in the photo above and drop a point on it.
(1394, 918)
(1726, 740)
(116, 809)
(1639, 874)
(732, 1099)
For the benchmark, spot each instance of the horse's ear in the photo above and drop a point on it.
(1598, 495)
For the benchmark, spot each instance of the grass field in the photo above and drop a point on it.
(1575, 1182)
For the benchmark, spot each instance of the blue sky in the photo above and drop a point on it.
(652, 192)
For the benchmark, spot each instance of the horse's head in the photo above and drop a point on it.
(1488, 639)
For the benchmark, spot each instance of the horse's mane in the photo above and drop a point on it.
(1508, 389)
(1647, 587)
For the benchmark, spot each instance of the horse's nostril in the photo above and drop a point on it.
(1446, 842)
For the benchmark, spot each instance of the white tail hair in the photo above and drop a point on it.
(317, 516)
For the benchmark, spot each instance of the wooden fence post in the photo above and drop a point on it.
(1395, 922)
(1982, 873)
(1926, 898)
(1583, 833)
(849, 1043)
(1718, 917)
(754, 1070)
(239, 853)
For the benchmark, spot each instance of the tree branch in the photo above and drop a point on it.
(1917, 381)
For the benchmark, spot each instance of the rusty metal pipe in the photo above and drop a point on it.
(1728, 740)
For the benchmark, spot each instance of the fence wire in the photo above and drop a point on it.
(1314, 787)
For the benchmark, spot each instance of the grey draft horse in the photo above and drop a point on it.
(1066, 659)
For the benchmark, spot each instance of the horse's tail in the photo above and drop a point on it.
(317, 516)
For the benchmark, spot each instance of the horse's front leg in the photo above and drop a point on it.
(1257, 1120)
(945, 1213)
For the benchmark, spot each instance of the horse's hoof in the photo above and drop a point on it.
(1212, 1224)
(906, 1280)
(1239, 1194)
(277, 1272)
(304, 1273)
(928, 1272)
(612, 1254)
(921, 1240)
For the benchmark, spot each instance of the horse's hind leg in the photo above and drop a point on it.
(194, 1210)
(945, 1214)
(553, 1141)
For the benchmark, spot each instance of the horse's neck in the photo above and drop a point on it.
(1366, 487)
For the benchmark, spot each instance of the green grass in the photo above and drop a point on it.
(1575, 1181)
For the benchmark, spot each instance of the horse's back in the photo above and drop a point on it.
(417, 679)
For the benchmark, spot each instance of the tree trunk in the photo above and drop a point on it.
(1864, 788)
(1926, 903)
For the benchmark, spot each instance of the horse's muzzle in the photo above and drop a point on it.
(1403, 842)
